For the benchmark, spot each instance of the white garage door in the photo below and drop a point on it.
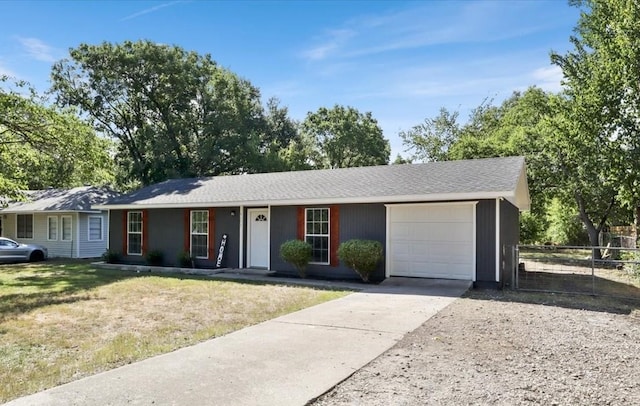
(432, 241)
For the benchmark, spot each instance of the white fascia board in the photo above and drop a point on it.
(441, 197)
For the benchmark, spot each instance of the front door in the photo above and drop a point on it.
(258, 249)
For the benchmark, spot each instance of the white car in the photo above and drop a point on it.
(11, 251)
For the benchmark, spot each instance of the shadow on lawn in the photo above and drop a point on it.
(578, 301)
(48, 283)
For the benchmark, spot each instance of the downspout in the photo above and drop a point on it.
(241, 250)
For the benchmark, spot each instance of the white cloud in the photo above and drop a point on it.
(334, 41)
(150, 10)
(548, 78)
(37, 49)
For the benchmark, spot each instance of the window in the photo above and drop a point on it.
(67, 234)
(25, 226)
(317, 234)
(52, 228)
(95, 228)
(200, 234)
(134, 233)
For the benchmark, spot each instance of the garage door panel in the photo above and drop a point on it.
(435, 241)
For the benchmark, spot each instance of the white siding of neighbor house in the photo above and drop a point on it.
(57, 247)
(92, 249)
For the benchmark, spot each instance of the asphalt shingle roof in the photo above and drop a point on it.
(411, 182)
(75, 199)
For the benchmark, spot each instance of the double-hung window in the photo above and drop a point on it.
(317, 234)
(24, 226)
(67, 233)
(52, 228)
(134, 233)
(200, 234)
(95, 228)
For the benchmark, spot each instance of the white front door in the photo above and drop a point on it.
(258, 247)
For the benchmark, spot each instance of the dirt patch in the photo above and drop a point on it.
(508, 348)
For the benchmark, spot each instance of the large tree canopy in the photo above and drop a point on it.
(174, 113)
(43, 146)
(344, 137)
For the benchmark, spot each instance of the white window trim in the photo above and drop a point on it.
(89, 228)
(328, 235)
(192, 233)
(129, 213)
(62, 218)
(49, 228)
(32, 226)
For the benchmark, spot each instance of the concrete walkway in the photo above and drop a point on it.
(285, 361)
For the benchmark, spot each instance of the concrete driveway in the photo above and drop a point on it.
(285, 361)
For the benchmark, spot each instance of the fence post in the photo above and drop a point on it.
(516, 266)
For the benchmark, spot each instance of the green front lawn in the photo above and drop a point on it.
(63, 320)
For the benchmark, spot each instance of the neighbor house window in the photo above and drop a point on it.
(95, 228)
(200, 234)
(67, 234)
(52, 228)
(134, 233)
(24, 226)
(317, 234)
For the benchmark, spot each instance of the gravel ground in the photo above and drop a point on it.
(508, 348)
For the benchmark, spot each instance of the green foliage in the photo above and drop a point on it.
(297, 253)
(185, 260)
(154, 257)
(565, 227)
(532, 228)
(42, 146)
(363, 256)
(343, 137)
(431, 140)
(173, 113)
(111, 257)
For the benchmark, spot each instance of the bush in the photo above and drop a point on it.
(297, 253)
(155, 257)
(185, 260)
(565, 227)
(363, 256)
(111, 257)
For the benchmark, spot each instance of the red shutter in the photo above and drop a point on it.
(187, 230)
(145, 232)
(125, 247)
(301, 221)
(334, 238)
(212, 232)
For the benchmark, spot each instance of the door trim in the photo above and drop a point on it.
(249, 223)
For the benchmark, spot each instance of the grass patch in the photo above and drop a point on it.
(63, 320)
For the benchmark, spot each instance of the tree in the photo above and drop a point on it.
(43, 146)
(174, 113)
(431, 140)
(601, 116)
(344, 137)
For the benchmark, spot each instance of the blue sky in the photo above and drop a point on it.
(400, 60)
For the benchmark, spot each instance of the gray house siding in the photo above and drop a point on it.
(509, 237)
(165, 230)
(485, 242)
(363, 221)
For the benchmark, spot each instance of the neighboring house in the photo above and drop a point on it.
(61, 220)
(456, 219)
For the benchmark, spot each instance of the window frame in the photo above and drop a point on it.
(327, 236)
(89, 228)
(192, 232)
(140, 233)
(62, 221)
(18, 228)
(57, 221)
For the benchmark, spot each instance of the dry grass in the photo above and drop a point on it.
(60, 321)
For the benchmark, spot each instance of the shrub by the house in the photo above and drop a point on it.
(111, 257)
(185, 260)
(363, 256)
(297, 253)
(155, 257)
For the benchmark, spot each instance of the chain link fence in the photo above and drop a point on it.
(605, 270)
